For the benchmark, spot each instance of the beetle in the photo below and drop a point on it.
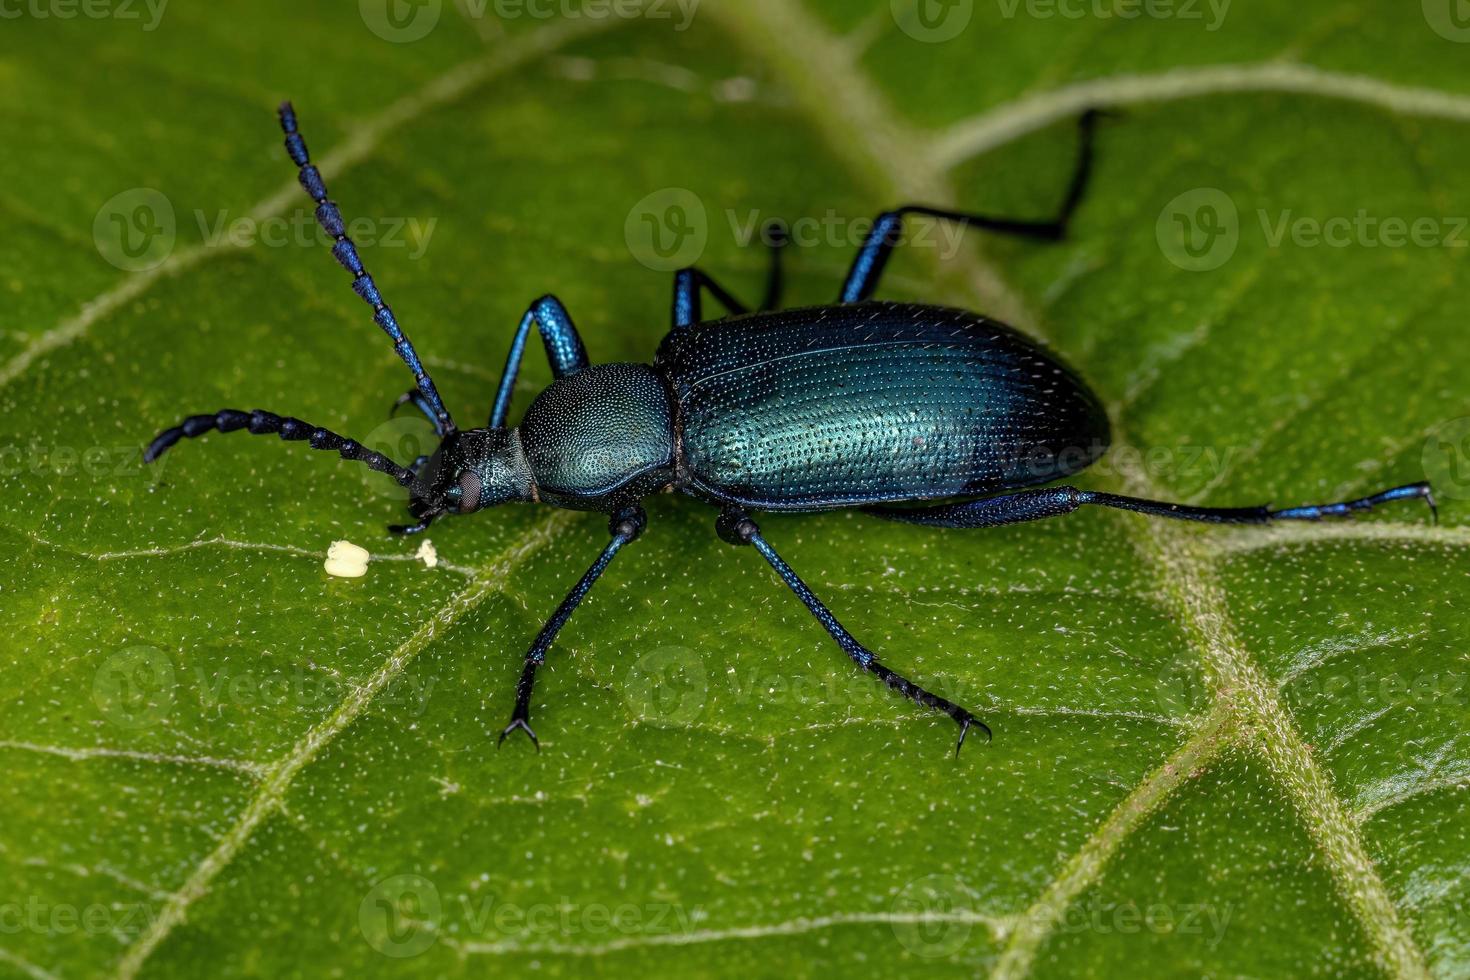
(915, 413)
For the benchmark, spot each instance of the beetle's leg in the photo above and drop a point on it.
(688, 305)
(563, 349)
(330, 218)
(867, 267)
(415, 398)
(1033, 505)
(736, 527)
(625, 526)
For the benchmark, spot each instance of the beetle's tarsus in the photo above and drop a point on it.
(400, 401)
(519, 724)
(965, 721)
(407, 530)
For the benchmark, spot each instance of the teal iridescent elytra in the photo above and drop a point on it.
(911, 412)
(873, 402)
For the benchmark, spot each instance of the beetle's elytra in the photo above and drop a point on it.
(914, 413)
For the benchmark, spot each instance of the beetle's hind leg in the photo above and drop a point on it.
(688, 283)
(1034, 505)
(736, 527)
(877, 248)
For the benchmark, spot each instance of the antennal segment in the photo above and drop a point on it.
(330, 218)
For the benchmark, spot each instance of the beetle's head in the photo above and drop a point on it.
(471, 470)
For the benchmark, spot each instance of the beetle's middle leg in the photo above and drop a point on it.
(867, 266)
(736, 527)
(688, 305)
(626, 525)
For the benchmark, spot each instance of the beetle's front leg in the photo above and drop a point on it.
(563, 349)
(625, 525)
(736, 527)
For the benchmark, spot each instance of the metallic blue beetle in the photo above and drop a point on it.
(860, 404)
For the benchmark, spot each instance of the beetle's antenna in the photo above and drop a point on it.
(330, 218)
(261, 423)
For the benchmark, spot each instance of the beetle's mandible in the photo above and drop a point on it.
(914, 413)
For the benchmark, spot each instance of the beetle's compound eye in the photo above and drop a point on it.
(469, 491)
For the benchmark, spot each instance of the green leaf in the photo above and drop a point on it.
(1218, 752)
